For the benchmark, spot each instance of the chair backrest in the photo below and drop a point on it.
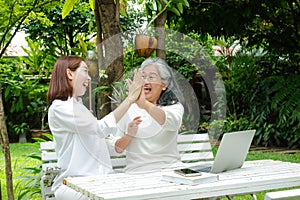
(192, 148)
(48, 155)
(49, 169)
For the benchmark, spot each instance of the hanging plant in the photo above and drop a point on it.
(145, 44)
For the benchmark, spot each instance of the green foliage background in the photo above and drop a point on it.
(263, 94)
(261, 80)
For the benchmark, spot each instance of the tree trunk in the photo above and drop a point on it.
(112, 54)
(159, 23)
(5, 148)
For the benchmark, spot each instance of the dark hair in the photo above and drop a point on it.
(60, 87)
(167, 97)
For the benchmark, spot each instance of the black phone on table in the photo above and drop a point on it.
(187, 172)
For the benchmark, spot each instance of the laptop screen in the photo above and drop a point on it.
(233, 150)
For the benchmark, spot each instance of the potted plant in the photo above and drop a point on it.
(21, 130)
(145, 45)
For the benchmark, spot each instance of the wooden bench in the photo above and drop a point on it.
(192, 148)
(292, 194)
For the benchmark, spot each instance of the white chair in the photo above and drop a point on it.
(192, 148)
(292, 194)
(49, 169)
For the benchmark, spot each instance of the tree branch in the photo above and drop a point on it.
(20, 21)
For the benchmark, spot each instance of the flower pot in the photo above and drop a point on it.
(22, 137)
(145, 45)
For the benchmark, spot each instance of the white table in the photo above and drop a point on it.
(253, 177)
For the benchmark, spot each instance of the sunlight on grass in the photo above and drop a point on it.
(257, 155)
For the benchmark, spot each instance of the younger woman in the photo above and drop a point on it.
(78, 135)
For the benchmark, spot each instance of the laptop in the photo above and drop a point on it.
(231, 153)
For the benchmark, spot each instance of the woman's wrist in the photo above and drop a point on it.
(129, 135)
(148, 106)
(128, 101)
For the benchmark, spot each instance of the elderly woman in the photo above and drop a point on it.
(154, 145)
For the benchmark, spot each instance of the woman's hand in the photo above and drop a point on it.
(133, 126)
(141, 100)
(135, 86)
(122, 143)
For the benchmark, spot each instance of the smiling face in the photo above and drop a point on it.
(153, 83)
(80, 79)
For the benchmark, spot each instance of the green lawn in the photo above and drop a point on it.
(20, 161)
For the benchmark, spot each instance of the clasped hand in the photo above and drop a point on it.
(135, 86)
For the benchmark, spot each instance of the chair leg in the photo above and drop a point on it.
(230, 197)
(254, 197)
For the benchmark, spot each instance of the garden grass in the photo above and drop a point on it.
(19, 161)
(19, 153)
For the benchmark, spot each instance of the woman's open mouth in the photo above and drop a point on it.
(147, 90)
(85, 84)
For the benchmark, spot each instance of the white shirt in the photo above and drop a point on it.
(155, 146)
(79, 139)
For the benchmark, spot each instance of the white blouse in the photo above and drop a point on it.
(79, 139)
(155, 146)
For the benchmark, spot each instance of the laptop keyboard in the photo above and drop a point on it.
(205, 169)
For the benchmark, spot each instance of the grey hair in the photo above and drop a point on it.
(172, 94)
(162, 68)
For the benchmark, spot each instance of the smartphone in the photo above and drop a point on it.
(187, 172)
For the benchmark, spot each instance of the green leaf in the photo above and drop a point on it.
(185, 3)
(174, 10)
(159, 6)
(68, 7)
(149, 6)
(123, 10)
(92, 4)
(123, 13)
(180, 8)
(166, 2)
